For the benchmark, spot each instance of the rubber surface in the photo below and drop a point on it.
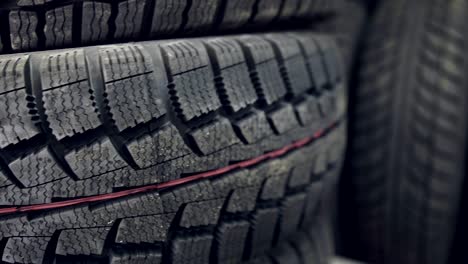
(237, 217)
(45, 24)
(98, 120)
(105, 120)
(408, 130)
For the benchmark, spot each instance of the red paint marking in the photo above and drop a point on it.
(105, 197)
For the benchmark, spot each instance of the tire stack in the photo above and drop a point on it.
(169, 131)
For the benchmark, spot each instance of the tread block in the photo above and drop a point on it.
(236, 91)
(144, 229)
(37, 168)
(192, 88)
(300, 174)
(191, 250)
(25, 249)
(4, 181)
(129, 19)
(82, 241)
(292, 209)
(330, 57)
(17, 124)
(276, 173)
(293, 63)
(314, 60)
(201, 14)
(167, 16)
(68, 102)
(23, 25)
(309, 112)
(95, 159)
(58, 26)
(283, 119)
(263, 225)
(201, 213)
(130, 85)
(230, 241)
(267, 11)
(136, 256)
(95, 29)
(215, 136)
(243, 199)
(265, 71)
(254, 127)
(160, 146)
(237, 13)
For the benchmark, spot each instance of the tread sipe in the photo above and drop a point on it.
(45, 24)
(93, 121)
(409, 134)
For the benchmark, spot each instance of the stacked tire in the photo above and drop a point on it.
(208, 149)
(406, 166)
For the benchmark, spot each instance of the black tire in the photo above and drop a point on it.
(407, 158)
(211, 139)
(45, 24)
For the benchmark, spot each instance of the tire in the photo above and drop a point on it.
(45, 24)
(210, 139)
(407, 157)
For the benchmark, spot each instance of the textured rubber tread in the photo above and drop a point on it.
(267, 11)
(313, 57)
(409, 134)
(189, 67)
(38, 25)
(291, 66)
(108, 118)
(238, 14)
(231, 238)
(184, 224)
(15, 127)
(264, 68)
(230, 66)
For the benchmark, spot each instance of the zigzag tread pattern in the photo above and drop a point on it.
(46, 24)
(120, 116)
